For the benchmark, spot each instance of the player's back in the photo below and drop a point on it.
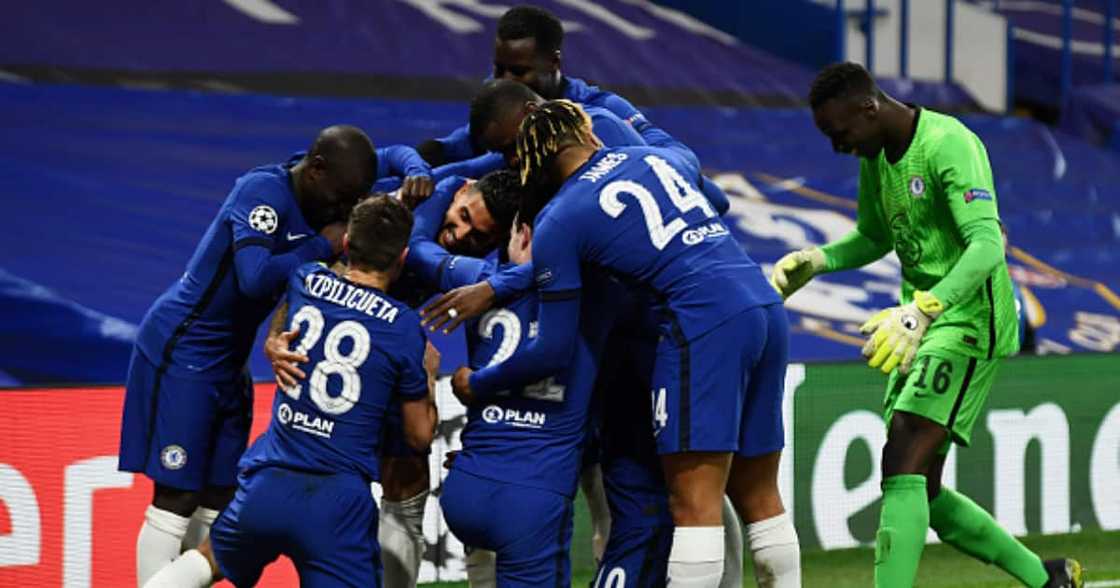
(638, 212)
(204, 325)
(365, 348)
(533, 436)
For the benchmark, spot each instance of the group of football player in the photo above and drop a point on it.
(619, 339)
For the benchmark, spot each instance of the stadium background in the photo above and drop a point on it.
(124, 126)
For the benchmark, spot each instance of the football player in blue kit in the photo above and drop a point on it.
(719, 368)
(321, 449)
(188, 401)
(472, 219)
(522, 448)
(527, 50)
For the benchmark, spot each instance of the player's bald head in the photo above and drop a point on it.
(347, 155)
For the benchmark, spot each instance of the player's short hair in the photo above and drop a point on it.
(841, 80)
(379, 229)
(493, 101)
(532, 22)
(548, 129)
(501, 192)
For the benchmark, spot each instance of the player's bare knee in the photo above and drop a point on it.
(404, 477)
(912, 444)
(180, 502)
(216, 497)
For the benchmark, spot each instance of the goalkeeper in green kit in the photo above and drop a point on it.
(925, 192)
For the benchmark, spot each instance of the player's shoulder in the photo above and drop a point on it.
(267, 183)
(449, 185)
(940, 131)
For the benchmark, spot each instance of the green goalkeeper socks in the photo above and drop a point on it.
(960, 522)
(902, 531)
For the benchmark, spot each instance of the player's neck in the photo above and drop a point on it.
(569, 160)
(368, 278)
(899, 128)
(295, 174)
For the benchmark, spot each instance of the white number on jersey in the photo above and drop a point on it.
(511, 338)
(683, 195)
(310, 319)
(660, 413)
(615, 579)
(511, 333)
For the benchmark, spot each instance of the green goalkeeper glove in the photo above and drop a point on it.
(896, 333)
(796, 269)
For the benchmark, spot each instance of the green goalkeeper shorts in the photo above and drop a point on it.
(945, 387)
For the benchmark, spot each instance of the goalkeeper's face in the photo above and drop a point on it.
(852, 125)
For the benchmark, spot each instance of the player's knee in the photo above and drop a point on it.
(216, 497)
(912, 443)
(180, 502)
(404, 477)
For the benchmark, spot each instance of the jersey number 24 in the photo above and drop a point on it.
(682, 194)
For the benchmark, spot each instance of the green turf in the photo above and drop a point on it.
(942, 566)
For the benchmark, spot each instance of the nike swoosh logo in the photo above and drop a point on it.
(292, 237)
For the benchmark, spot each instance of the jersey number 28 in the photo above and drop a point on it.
(681, 193)
(310, 321)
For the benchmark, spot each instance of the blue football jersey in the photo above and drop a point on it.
(365, 348)
(204, 325)
(638, 213)
(535, 435)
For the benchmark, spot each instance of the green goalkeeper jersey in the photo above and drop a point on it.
(920, 205)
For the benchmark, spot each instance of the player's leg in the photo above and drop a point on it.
(591, 482)
(753, 484)
(480, 567)
(235, 420)
(732, 547)
(531, 537)
(637, 552)
(912, 443)
(339, 547)
(195, 568)
(959, 521)
(166, 434)
(698, 396)
(405, 482)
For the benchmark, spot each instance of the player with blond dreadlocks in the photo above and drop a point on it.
(720, 364)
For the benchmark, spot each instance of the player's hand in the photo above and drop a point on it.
(277, 348)
(333, 234)
(895, 333)
(449, 459)
(416, 189)
(463, 303)
(461, 385)
(796, 269)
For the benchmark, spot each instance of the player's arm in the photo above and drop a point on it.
(255, 218)
(556, 258)
(278, 342)
(417, 390)
(868, 242)
(475, 167)
(404, 161)
(454, 147)
(652, 134)
(961, 166)
(613, 131)
(425, 256)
